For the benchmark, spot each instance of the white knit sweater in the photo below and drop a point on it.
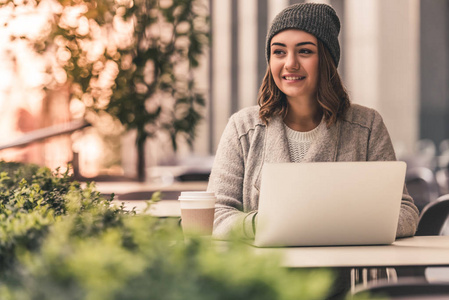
(299, 142)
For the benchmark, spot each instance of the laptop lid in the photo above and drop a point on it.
(329, 203)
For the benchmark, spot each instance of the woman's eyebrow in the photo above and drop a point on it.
(297, 45)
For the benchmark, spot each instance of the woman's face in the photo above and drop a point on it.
(294, 63)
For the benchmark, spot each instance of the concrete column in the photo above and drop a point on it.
(434, 70)
(382, 63)
(361, 51)
(247, 44)
(221, 48)
(275, 7)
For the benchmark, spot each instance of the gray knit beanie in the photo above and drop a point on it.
(315, 18)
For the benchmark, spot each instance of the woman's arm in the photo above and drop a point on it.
(226, 180)
(381, 148)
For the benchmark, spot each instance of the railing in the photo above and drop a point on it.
(44, 133)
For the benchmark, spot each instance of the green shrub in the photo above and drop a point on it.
(147, 258)
(29, 205)
(72, 244)
(16, 172)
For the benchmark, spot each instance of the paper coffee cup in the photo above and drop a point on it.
(197, 212)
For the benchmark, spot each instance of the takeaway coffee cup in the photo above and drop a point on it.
(197, 212)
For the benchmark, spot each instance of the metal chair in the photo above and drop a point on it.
(442, 177)
(409, 288)
(422, 186)
(434, 216)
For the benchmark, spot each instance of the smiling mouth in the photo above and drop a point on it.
(293, 77)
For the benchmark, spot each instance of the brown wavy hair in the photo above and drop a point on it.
(331, 94)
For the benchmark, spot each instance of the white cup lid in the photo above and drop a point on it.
(197, 194)
(197, 204)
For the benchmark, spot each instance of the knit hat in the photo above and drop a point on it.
(315, 18)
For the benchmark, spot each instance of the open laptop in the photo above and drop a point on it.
(329, 203)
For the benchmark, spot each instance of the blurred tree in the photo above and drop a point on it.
(131, 59)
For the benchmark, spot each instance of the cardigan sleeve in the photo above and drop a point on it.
(381, 148)
(226, 180)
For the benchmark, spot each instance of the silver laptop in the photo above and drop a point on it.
(329, 203)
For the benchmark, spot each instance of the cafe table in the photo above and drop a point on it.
(413, 251)
(362, 265)
(167, 207)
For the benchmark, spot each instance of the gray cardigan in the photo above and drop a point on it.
(247, 143)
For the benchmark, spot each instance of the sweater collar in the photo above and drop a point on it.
(275, 149)
(323, 148)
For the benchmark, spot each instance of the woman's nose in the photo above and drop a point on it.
(292, 62)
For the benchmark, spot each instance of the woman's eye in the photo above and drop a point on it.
(278, 52)
(305, 51)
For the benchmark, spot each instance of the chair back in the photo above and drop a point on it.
(411, 287)
(422, 186)
(433, 217)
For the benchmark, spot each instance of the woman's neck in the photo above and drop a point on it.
(303, 115)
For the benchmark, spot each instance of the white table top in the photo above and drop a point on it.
(415, 251)
(163, 208)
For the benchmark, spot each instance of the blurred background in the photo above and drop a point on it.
(136, 89)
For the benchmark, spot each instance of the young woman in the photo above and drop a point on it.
(304, 115)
